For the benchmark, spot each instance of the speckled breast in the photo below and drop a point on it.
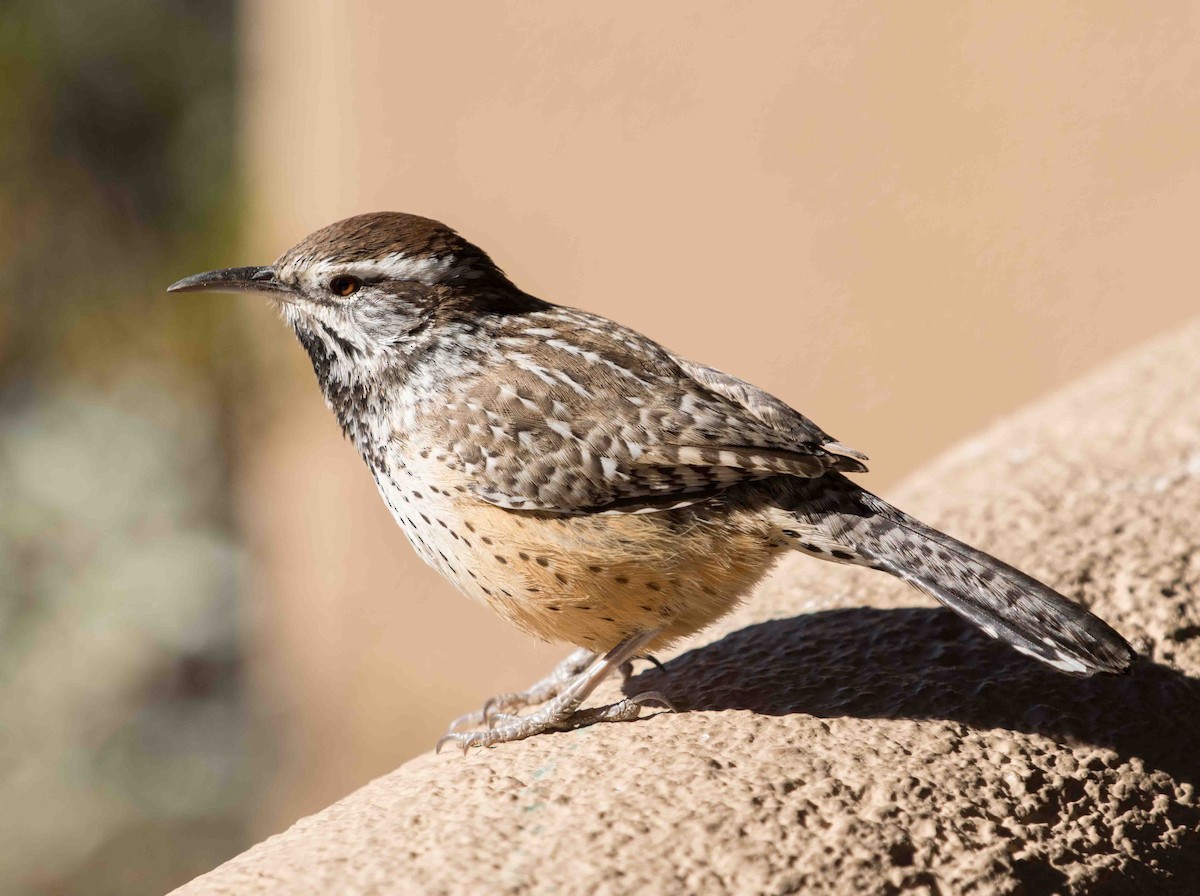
(589, 580)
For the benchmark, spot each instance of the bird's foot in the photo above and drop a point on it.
(560, 714)
(566, 688)
(539, 692)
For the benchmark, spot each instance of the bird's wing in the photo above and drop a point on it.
(773, 412)
(609, 421)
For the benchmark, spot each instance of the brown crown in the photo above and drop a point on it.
(379, 234)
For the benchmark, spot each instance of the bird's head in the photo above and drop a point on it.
(359, 290)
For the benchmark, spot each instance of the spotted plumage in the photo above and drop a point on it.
(556, 425)
(588, 484)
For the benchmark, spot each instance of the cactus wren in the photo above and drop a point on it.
(589, 485)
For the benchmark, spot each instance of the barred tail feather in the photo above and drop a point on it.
(1008, 604)
(1005, 602)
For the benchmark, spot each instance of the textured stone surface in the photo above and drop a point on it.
(840, 733)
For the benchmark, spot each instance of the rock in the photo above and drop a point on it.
(840, 733)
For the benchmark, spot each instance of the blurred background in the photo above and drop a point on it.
(906, 220)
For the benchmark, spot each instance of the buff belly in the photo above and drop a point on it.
(590, 580)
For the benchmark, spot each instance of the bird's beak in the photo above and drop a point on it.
(252, 279)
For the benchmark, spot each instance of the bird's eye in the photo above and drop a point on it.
(345, 286)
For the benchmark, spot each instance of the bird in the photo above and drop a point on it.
(589, 485)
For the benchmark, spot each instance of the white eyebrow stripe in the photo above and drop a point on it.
(397, 266)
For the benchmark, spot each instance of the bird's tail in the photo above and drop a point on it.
(834, 519)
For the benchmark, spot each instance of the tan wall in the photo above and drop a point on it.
(905, 219)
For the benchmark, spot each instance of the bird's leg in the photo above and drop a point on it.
(538, 692)
(562, 713)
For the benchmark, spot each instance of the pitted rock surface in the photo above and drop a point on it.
(841, 734)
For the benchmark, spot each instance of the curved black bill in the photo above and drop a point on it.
(252, 279)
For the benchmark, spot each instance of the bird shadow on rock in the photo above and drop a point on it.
(925, 663)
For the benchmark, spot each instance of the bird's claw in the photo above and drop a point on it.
(466, 720)
(626, 669)
(560, 693)
(558, 715)
(497, 719)
(656, 663)
(496, 706)
(453, 737)
(539, 692)
(647, 697)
